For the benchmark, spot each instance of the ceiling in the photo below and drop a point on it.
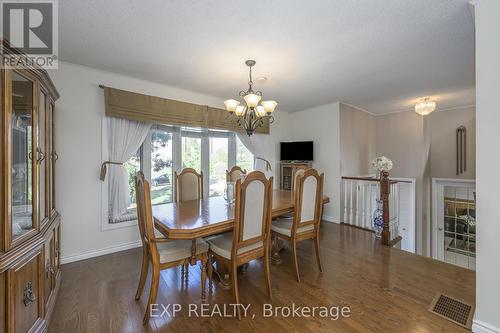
(378, 55)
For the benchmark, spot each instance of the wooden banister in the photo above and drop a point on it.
(384, 196)
(369, 179)
(373, 179)
(390, 236)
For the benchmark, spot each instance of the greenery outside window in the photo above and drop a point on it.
(171, 148)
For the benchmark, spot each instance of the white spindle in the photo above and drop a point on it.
(351, 204)
(363, 212)
(356, 220)
(370, 212)
(360, 206)
(345, 199)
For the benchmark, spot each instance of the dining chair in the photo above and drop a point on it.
(162, 253)
(234, 174)
(188, 185)
(250, 238)
(299, 171)
(305, 223)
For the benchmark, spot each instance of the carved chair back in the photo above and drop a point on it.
(188, 185)
(308, 199)
(253, 208)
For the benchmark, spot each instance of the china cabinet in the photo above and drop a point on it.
(29, 221)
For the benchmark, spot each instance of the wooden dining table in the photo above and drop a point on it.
(210, 216)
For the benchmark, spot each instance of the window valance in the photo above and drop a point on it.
(139, 107)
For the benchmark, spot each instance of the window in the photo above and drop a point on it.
(244, 158)
(170, 148)
(161, 166)
(218, 161)
(133, 165)
(191, 153)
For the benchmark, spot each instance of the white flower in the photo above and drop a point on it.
(382, 163)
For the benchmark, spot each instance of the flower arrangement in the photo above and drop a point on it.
(382, 163)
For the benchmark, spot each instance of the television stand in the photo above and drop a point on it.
(288, 169)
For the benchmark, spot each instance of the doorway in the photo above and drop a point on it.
(454, 221)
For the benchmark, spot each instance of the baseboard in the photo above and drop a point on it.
(482, 327)
(101, 252)
(330, 219)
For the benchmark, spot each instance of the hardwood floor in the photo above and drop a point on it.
(387, 290)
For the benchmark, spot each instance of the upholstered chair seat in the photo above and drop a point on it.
(284, 227)
(179, 249)
(222, 245)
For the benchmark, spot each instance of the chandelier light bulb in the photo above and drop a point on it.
(260, 110)
(240, 109)
(231, 105)
(252, 100)
(269, 106)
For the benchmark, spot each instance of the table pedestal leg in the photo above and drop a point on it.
(276, 246)
(243, 269)
(222, 273)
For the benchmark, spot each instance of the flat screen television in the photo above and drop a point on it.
(296, 151)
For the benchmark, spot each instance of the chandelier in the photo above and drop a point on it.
(252, 115)
(425, 106)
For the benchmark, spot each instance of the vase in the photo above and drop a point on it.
(378, 219)
(229, 193)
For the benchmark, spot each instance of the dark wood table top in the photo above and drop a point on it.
(201, 218)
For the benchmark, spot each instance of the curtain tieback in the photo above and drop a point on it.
(104, 168)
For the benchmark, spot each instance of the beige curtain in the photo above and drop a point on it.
(139, 107)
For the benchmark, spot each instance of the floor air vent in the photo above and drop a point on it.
(452, 309)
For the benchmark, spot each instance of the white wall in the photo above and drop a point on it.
(268, 146)
(403, 138)
(79, 113)
(442, 127)
(487, 13)
(321, 125)
(358, 141)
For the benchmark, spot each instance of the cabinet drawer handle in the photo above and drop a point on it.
(41, 156)
(29, 296)
(55, 156)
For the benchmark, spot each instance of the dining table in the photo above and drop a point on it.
(212, 216)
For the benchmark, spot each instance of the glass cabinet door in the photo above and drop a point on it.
(22, 156)
(52, 159)
(42, 150)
